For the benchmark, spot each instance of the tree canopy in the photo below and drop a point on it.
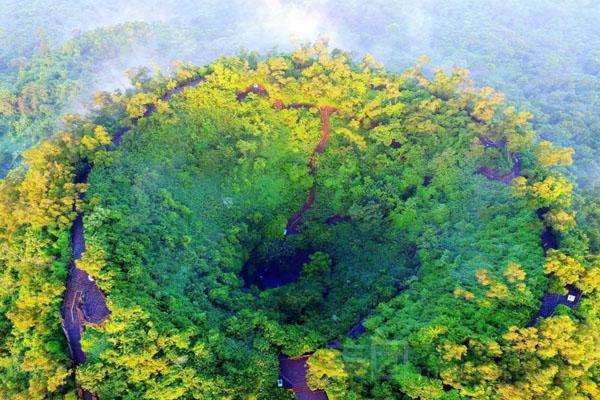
(443, 263)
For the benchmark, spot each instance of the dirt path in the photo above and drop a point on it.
(494, 175)
(84, 303)
(325, 113)
(294, 221)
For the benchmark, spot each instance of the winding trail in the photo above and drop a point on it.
(294, 221)
(293, 371)
(84, 303)
(548, 237)
(495, 175)
(292, 227)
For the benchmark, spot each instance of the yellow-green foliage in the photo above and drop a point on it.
(205, 185)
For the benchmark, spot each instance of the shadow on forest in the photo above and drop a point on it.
(271, 270)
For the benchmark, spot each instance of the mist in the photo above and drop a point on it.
(396, 32)
(539, 52)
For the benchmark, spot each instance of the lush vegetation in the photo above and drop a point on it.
(442, 266)
(445, 265)
(35, 92)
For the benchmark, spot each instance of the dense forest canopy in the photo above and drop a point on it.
(409, 229)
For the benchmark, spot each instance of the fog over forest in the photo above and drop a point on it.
(544, 54)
